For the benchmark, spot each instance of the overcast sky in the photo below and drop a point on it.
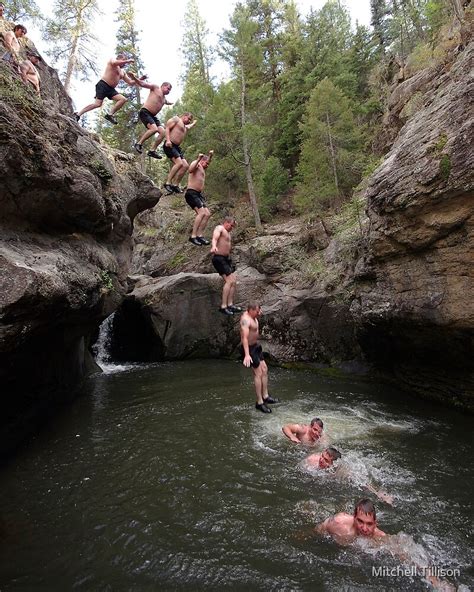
(161, 31)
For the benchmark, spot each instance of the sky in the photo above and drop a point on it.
(161, 30)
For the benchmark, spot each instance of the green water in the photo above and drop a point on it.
(164, 477)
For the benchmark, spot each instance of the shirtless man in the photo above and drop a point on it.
(195, 199)
(252, 355)
(305, 434)
(106, 88)
(346, 528)
(323, 460)
(326, 459)
(176, 129)
(147, 114)
(28, 70)
(11, 40)
(4, 24)
(220, 249)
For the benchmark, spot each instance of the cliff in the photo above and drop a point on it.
(67, 206)
(415, 283)
(393, 293)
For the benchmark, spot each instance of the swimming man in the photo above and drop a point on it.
(305, 434)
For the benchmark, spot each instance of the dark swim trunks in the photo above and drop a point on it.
(194, 199)
(256, 353)
(147, 118)
(223, 265)
(102, 90)
(173, 152)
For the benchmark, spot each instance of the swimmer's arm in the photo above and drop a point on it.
(190, 125)
(211, 154)
(291, 431)
(384, 497)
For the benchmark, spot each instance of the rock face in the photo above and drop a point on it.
(416, 282)
(176, 315)
(404, 302)
(66, 209)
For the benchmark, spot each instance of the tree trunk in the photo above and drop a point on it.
(458, 9)
(333, 156)
(71, 63)
(246, 152)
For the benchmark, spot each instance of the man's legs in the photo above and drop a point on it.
(177, 163)
(202, 216)
(152, 129)
(181, 172)
(120, 101)
(264, 379)
(206, 214)
(257, 380)
(228, 290)
(95, 105)
(159, 138)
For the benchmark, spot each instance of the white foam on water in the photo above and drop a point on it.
(101, 349)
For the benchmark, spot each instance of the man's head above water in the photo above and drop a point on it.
(365, 519)
(327, 457)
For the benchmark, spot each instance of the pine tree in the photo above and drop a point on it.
(121, 136)
(19, 10)
(323, 50)
(72, 42)
(198, 90)
(246, 59)
(332, 155)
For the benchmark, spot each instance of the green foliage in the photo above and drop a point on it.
(332, 156)
(273, 184)
(445, 166)
(101, 170)
(19, 11)
(176, 261)
(441, 142)
(106, 280)
(14, 92)
(71, 44)
(123, 135)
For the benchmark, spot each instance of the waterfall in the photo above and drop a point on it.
(101, 347)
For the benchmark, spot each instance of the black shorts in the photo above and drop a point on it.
(223, 265)
(194, 199)
(102, 90)
(256, 353)
(147, 118)
(173, 152)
